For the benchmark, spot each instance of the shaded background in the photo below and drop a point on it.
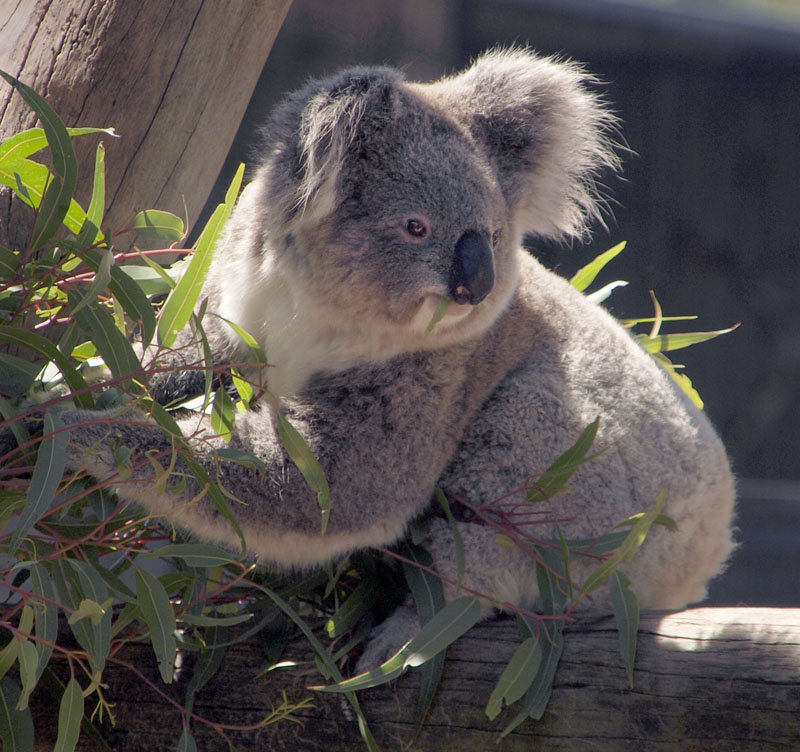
(709, 98)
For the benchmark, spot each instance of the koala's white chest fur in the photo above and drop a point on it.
(300, 335)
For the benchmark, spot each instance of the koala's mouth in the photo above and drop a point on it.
(457, 310)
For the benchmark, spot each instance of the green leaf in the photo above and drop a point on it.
(667, 342)
(438, 314)
(16, 727)
(586, 275)
(30, 180)
(207, 664)
(88, 584)
(556, 477)
(442, 630)
(70, 713)
(8, 656)
(160, 618)
(243, 458)
(329, 663)
(132, 299)
(253, 348)
(9, 263)
(100, 282)
(187, 743)
(354, 607)
(47, 475)
(37, 343)
(28, 660)
(159, 225)
(28, 142)
(223, 414)
(538, 695)
(516, 678)
(45, 614)
(202, 620)
(299, 452)
(151, 281)
(57, 198)
(90, 233)
(183, 299)
(110, 342)
(426, 588)
(626, 613)
(629, 546)
(194, 554)
(16, 375)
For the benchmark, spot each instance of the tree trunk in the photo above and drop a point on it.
(705, 679)
(173, 78)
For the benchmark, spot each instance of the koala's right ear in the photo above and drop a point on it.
(310, 134)
(546, 132)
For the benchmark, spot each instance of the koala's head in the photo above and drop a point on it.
(385, 197)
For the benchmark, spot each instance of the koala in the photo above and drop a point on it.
(376, 200)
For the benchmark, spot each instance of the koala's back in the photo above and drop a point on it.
(580, 365)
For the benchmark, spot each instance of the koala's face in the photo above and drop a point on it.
(417, 218)
(383, 197)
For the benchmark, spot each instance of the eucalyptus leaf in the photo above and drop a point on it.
(187, 743)
(667, 342)
(160, 617)
(111, 343)
(626, 612)
(45, 614)
(586, 275)
(516, 678)
(195, 554)
(31, 341)
(70, 714)
(223, 414)
(90, 233)
(16, 727)
(353, 608)
(556, 477)
(207, 664)
(182, 300)
(302, 456)
(56, 200)
(159, 225)
(47, 475)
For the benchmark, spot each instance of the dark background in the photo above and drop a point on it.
(709, 204)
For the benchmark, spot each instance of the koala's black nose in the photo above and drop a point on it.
(472, 275)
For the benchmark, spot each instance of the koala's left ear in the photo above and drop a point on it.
(547, 134)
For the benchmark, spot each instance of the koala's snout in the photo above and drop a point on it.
(472, 275)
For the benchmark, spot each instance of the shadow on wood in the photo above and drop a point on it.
(706, 679)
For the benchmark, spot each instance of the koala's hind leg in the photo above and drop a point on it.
(501, 574)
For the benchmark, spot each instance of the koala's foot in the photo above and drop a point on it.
(388, 638)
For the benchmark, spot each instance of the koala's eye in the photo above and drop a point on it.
(496, 238)
(416, 228)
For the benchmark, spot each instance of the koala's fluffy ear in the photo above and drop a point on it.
(547, 134)
(310, 134)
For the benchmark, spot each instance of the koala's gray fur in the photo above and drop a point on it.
(377, 198)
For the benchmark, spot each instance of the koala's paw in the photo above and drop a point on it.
(388, 637)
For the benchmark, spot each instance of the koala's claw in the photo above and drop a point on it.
(388, 638)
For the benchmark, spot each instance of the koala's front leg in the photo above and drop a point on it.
(382, 436)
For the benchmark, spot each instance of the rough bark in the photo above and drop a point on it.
(173, 78)
(705, 679)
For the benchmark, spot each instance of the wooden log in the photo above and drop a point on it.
(706, 679)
